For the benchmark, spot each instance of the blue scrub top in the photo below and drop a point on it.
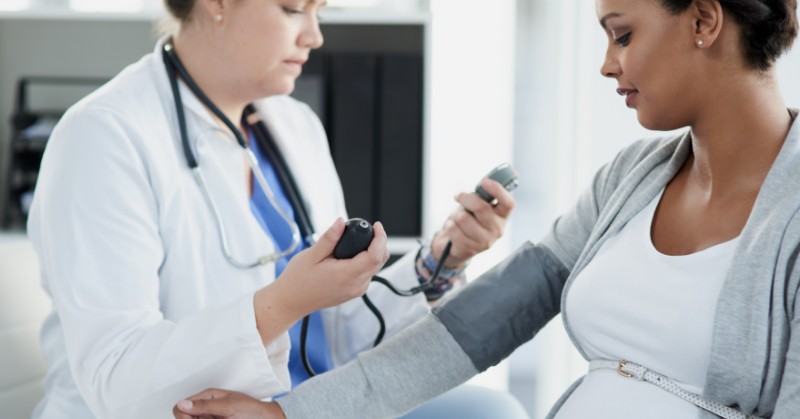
(281, 234)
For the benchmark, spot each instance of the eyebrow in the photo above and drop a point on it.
(608, 16)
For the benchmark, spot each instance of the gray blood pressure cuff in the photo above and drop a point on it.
(506, 306)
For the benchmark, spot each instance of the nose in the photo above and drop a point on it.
(610, 67)
(311, 36)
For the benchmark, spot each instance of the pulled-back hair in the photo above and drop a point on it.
(180, 9)
(769, 27)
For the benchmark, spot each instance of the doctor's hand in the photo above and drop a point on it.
(313, 279)
(475, 226)
(222, 404)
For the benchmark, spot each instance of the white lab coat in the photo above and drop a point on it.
(146, 308)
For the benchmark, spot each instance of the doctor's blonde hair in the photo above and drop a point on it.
(180, 9)
(179, 12)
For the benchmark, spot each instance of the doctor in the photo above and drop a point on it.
(175, 261)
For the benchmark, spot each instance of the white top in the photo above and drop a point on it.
(147, 310)
(633, 302)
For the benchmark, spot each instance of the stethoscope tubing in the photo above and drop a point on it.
(174, 66)
(301, 230)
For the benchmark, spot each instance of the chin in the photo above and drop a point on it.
(656, 123)
(276, 89)
(285, 87)
(287, 90)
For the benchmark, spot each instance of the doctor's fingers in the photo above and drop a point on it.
(357, 272)
(484, 232)
(466, 242)
(323, 248)
(378, 247)
(373, 258)
(502, 205)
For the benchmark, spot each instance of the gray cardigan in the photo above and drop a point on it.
(755, 359)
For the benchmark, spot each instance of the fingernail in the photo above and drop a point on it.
(185, 405)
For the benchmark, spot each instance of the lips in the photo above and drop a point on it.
(299, 60)
(294, 65)
(630, 95)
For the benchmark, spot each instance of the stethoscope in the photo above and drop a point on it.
(301, 227)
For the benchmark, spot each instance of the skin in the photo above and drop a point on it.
(737, 118)
(218, 404)
(474, 225)
(257, 50)
(736, 115)
(254, 52)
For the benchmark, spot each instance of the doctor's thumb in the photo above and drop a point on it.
(327, 242)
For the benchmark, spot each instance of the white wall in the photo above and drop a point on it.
(471, 109)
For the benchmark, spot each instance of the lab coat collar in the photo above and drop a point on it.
(190, 101)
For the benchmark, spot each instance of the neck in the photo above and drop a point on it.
(738, 134)
(196, 51)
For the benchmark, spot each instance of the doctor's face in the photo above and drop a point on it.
(268, 42)
(651, 54)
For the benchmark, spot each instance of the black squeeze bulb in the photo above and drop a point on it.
(355, 239)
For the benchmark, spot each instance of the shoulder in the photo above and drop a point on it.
(640, 160)
(132, 102)
(647, 150)
(127, 121)
(136, 88)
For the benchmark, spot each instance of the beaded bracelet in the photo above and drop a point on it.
(426, 265)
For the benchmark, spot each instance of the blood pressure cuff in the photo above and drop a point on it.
(506, 306)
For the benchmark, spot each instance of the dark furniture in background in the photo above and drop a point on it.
(30, 129)
(366, 84)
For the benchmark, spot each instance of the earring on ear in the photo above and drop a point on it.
(218, 18)
(700, 43)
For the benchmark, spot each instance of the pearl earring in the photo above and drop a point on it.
(218, 18)
(700, 43)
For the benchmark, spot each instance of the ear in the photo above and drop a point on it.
(208, 9)
(707, 19)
